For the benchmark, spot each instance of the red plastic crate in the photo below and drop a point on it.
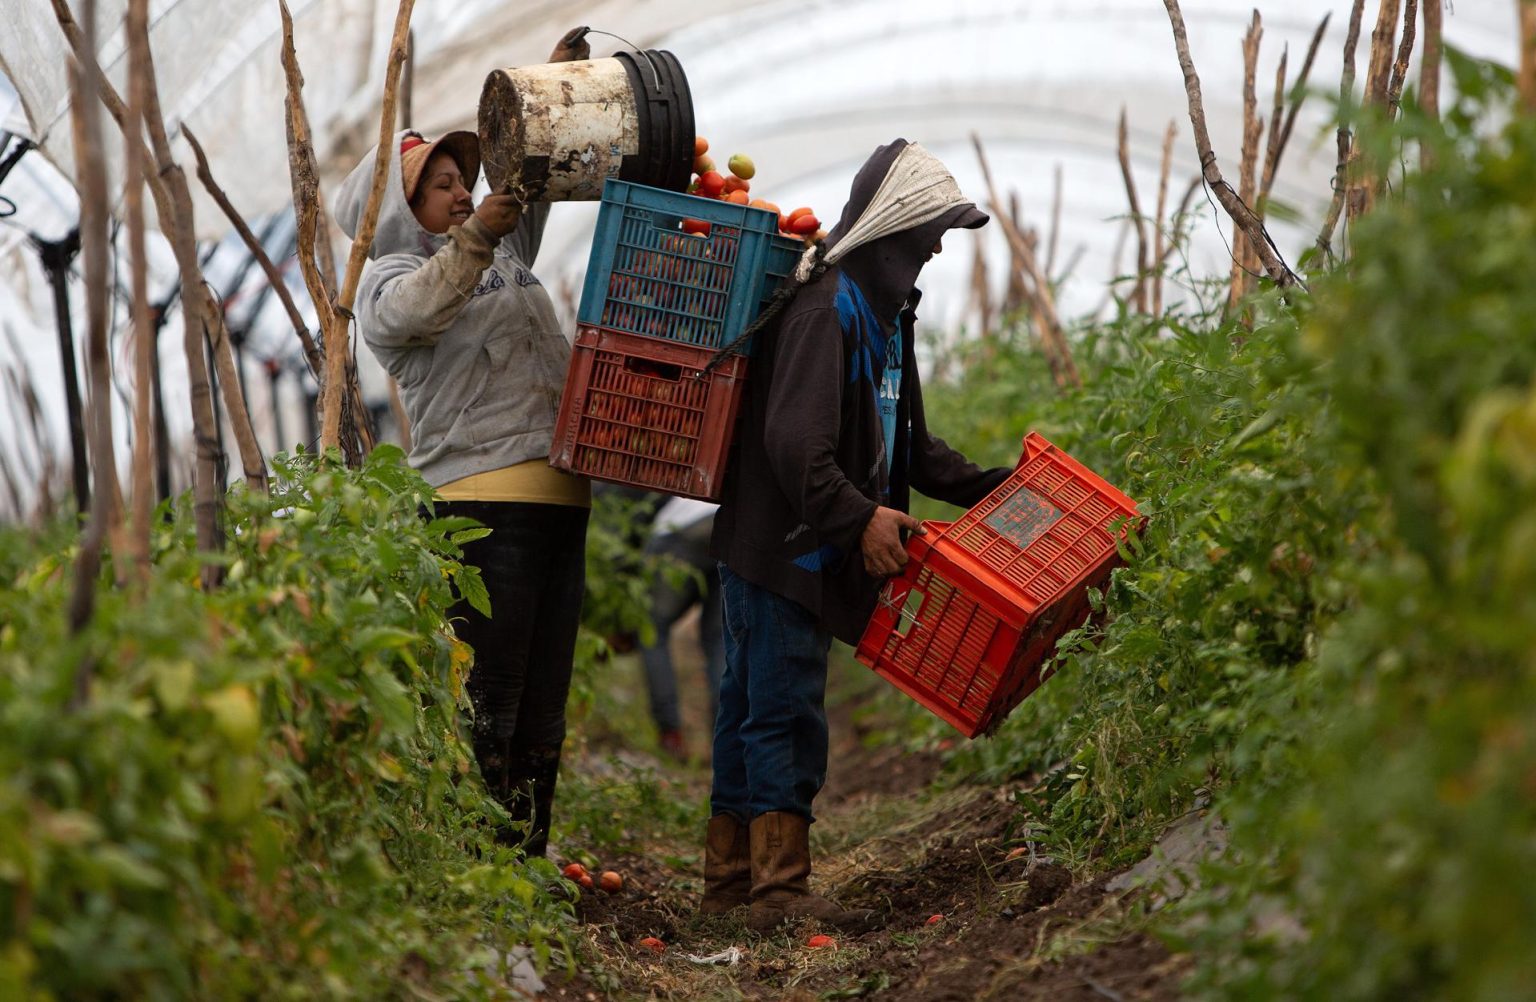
(965, 628)
(643, 412)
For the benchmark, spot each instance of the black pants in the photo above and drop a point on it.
(534, 567)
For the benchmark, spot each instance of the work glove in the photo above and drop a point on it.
(572, 46)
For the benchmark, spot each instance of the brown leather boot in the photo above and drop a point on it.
(781, 868)
(727, 866)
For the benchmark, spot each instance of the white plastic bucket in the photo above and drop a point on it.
(559, 130)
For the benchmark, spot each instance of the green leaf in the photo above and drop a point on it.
(388, 698)
(472, 588)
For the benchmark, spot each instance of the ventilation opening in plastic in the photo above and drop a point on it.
(910, 610)
(653, 370)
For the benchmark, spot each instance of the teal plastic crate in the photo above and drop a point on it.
(648, 277)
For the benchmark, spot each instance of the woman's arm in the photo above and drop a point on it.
(403, 306)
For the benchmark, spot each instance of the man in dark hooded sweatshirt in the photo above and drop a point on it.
(832, 441)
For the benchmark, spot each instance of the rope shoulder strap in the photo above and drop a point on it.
(813, 264)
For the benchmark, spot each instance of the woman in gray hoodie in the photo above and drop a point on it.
(452, 310)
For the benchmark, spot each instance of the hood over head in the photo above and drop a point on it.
(397, 231)
(909, 182)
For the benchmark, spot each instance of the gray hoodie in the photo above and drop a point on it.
(466, 330)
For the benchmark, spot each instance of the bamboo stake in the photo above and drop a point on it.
(143, 327)
(336, 344)
(1404, 53)
(1527, 76)
(1429, 74)
(1139, 289)
(1042, 302)
(274, 277)
(1297, 99)
(1345, 136)
(1243, 251)
(90, 169)
(1163, 174)
(1235, 207)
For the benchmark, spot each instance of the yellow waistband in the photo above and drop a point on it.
(535, 482)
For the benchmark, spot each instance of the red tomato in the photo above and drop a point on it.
(803, 225)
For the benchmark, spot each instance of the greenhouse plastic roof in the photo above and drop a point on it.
(807, 87)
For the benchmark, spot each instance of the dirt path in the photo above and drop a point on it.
(888, 836)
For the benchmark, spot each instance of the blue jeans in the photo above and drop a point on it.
(771, 728)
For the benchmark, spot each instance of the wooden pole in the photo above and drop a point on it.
(173, 209)
(91, 179)
(1042, 300)
(178, 214)
(1272, 144)
(1297, 99)
(259, 253)
(1527, 77)
(1404, 54)
(1361, 179)
(407, 93)
(336, 340)
(143, 489)
(1139, 289)
(1164, 172)
(1345, 137)
(305, 179)
(1429, 67)
(1278, 270)
(1243, 251)
(1055, 235)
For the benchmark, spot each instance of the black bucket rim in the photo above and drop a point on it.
(664, 116)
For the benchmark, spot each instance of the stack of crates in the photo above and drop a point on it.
(640, 406)
(966, 627)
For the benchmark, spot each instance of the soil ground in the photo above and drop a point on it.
(888, 836)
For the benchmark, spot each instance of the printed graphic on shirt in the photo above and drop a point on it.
(490, 283)
(890, 391)
(876, 357)
(493, 280)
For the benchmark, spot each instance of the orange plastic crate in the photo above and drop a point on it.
(965, 628)
(644, 412)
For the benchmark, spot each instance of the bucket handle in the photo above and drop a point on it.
(655, 76)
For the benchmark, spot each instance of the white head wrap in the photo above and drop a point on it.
(917, 188)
